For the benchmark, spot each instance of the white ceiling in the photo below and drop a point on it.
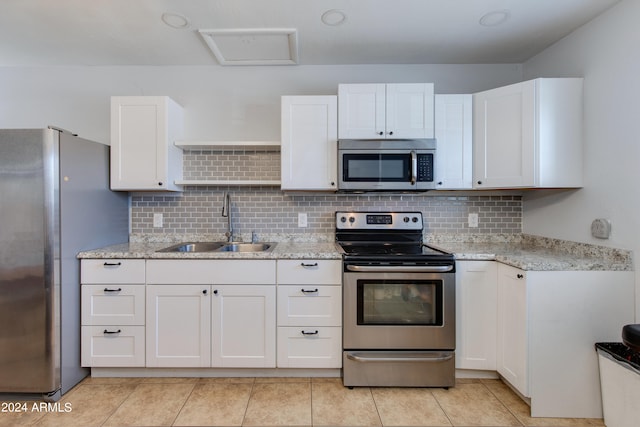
(131, 32)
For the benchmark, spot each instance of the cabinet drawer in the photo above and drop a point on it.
(113, 304)
(112, 271)
(309, 347)
(310, 271)
(307, 305)
(123, 347)
(216, 272)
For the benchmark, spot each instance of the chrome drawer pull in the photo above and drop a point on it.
(440, 358)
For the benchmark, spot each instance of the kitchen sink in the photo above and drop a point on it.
(245, 247)
(218, 247)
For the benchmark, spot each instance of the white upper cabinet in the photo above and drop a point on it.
(394, 111)
(454, 152)
(143, 154)
(529, 135)
(309, 143)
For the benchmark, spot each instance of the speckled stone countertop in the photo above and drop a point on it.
(281, 250)
(527, 252)
(534, 253)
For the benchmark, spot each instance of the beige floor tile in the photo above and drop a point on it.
(408, 407)
(215, 404)
(19, 413)
(88, 405)
(112, 380)
(227, 380)
(474, 405)
(151, 405)
(279, 404)
(335, 405)
(522, 411)
(326, 380)
(262, 380)
(170, 380)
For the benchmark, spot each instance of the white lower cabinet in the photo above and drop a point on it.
(309, 314)
(476, 314)
(112, 313)
(513, 328)
(243, 326)
(178, 326)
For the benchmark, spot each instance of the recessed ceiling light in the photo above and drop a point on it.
(333, 17)
(175, 20)
(495, 18)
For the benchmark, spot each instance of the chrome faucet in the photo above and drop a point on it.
(226, 212)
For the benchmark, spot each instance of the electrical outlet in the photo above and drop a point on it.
(302, 220)
(473, 220)
(157, 220)
(601, 228)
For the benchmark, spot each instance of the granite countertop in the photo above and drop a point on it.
(536, 253)
(282, 250)
(527, 252)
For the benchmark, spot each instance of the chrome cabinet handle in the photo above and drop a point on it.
(373, 358)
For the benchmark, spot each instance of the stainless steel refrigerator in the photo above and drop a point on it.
(54, 202)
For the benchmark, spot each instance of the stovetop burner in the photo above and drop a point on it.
(384, 236)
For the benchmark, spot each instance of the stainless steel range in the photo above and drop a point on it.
(398, 302)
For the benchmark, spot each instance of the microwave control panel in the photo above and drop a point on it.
(425, 167)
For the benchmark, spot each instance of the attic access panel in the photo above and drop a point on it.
(272, 46)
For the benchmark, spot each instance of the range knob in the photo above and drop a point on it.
(343, 219)
(405, 219)
(414, 219)
(352, 219)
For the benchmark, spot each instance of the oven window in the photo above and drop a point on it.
(376, 167)
(400, 302)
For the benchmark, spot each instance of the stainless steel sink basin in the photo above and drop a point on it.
(245, 247)
(218, 247)
(194, 247)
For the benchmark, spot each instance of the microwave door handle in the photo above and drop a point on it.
(414, 168)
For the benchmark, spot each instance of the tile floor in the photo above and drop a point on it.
(282, 402)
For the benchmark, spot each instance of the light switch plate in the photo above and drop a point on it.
(302, 220)
(601, 228)
(157, 220)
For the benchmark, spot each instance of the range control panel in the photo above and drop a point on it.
(379, 220)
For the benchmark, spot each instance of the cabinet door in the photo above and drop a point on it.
(454, 130)
(476, 318)
(178, 326)
(143, 156)
(504, 137)
(409, 110)
(244, 326)
(361, 111)
(309, 143)
(513, 330)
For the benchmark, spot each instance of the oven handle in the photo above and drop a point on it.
(440, 358)
(400, 269)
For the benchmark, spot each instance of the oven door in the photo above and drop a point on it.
(406, 310)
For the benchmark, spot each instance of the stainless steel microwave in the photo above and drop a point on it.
(386, 164)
